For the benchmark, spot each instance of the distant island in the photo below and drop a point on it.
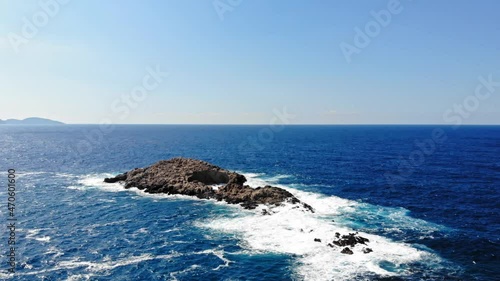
(30, 121)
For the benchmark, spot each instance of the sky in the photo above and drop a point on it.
(249, 62)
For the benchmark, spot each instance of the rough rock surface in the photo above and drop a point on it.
(352, 239)
(197, 178)
(367, 250)
(347, 251)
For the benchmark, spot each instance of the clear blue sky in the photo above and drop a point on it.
(263, 56)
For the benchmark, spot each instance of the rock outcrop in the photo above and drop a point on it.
(198, 178)
(347, 251)
(352, 239)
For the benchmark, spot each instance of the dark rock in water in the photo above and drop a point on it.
(337, 235)
(347, 251)
(265, 212)
(330, 245)
(247, 204)
(317, 240)
(350, 240)
(118, 178)
(195, 178)
(308, 207)
(367, 250)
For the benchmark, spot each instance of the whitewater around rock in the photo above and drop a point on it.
(203, 180)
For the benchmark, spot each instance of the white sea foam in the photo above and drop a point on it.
(30, 233)
(30, 173)
(98, 266)
(107, 264)
(43, 239)
(220, 255)
(140, 232)
(33, 234)
(292, 231)
(26, 265)
(254, 179)
(174, 274)
(80, 277)
(53, 250)
(107, 200)
(92, 226)
(97, 181)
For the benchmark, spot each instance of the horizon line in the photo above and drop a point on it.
(263, 124)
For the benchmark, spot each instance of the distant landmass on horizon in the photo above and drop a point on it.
(30, 121)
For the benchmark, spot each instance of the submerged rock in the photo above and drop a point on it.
(347, 251)
(265, 212)
(196, 178)
(367, 250)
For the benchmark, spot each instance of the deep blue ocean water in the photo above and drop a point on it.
(430, 213)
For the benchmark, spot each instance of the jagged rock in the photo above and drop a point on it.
(308, 207)
(367, 250)
(195, 178)
(317, 240)
(350, 240)
(347, 251)
(118, 178)
(265, 212)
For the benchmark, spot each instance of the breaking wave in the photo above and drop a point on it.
(291, 231)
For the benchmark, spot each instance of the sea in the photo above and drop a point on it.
(427, 198)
